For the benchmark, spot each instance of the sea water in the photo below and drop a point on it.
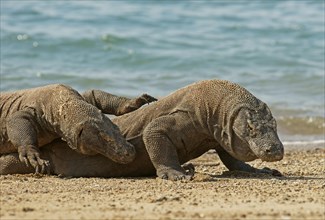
(275, 49)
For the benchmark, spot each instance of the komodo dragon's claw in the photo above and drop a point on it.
(30, 155)
(174, 175)
(272, 172)
(189, 169)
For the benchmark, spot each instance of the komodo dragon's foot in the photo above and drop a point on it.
(171, 174)
(145, 99)
(134, 104)
(267, 170)
(31, 155)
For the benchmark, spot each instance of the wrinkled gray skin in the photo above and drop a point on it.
(35, 117)
(211, 114)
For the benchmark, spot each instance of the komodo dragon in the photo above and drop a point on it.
(34, 117)
(211, 114)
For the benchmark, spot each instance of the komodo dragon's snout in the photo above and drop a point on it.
(104, 137)
(258, 128)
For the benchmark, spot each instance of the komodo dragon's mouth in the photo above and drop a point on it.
(267, 152)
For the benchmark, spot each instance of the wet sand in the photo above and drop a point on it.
(214, 193)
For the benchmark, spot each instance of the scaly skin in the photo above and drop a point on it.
(211, 114)
(35, 117)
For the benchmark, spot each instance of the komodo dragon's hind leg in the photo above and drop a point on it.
(233, 164)
(116, 105)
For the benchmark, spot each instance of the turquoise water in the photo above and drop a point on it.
(273, 48)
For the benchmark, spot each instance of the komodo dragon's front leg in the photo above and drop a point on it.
(22, 131)
(116, 105)
(233, 164)
(162, 151)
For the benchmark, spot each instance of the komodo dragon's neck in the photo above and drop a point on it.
(217, 103)
(68, 115)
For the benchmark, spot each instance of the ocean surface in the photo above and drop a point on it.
(275, 49)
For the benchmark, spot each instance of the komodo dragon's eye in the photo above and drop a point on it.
(251, 125)
(252, 133)
(252, 128)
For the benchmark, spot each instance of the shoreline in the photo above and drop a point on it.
(214, 193)
(300, 145)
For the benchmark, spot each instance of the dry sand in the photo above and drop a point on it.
(214, 193)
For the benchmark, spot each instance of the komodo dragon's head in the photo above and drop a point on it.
(104, 137)
(258, 130)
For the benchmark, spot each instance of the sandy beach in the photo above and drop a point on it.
(214, 193)
(274, 49)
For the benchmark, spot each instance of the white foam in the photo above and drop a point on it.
(303, 142)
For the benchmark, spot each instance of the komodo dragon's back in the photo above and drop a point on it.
(206, 95)
(39, 101)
